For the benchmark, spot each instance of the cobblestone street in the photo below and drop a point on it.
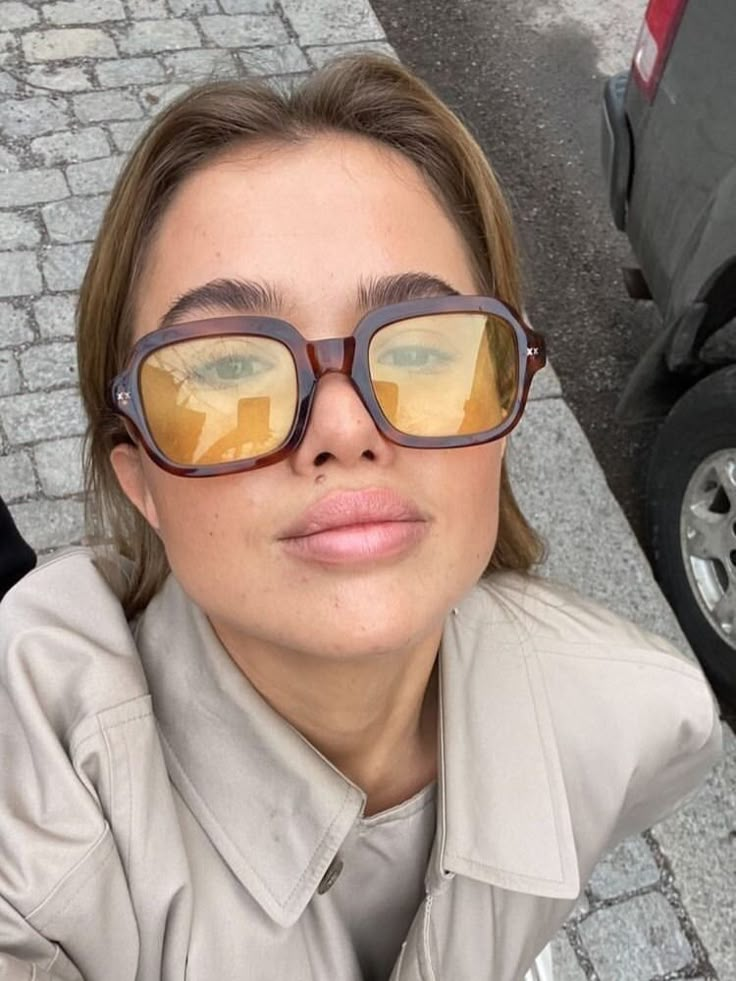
(79, 80)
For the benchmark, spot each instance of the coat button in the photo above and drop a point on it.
(331, 875)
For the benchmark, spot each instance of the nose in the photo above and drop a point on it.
(339, 429)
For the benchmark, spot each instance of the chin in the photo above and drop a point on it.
(379, 630)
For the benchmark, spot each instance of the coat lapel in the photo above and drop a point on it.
(274, 808)
(504, 816)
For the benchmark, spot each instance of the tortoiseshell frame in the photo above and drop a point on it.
(312, 359)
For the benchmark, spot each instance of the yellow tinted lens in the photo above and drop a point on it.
(445, 374)
(219, 399)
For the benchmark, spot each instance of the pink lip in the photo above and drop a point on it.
(351, 526)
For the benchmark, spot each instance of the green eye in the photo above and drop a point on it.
(415, 358)
(230, 369)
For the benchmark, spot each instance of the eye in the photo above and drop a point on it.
(230, 369)
(415, 357)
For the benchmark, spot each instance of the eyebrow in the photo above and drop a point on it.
(249, 296)
(384, 290)
(235, 295)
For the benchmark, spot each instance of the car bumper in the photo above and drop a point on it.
(616, 147)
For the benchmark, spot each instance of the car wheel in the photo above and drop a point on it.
(691, 505)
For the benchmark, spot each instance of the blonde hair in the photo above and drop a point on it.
(366, 95)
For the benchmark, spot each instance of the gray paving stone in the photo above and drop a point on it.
(148, 9)
(145, 36)
(10, 380)
(74, 219)
(546, 384)
(93, 107)
(636, 939)
(59, 465)
(564, 961)
(157, 97)
(34, 416)
(64, 78)
(244, 30)
(31, 117)
(7, 46)
(70, 146)
(94, 176)
(16, 476)
(15, 327)
(64, 266)
(8, 84)
(58, 44)
(323, 53)
(83, 11)
(50, 524)
(351, 20)
(15, 16)
(200, 63)
(630, 866)
(128, 71)
(247, 6)
(19, 274)
(8, 161)
(700, 843)
(125, 135)
(17, 231)
(32, 187)
(187, 8)
(55, 315)
(278, 60)
(47, 366)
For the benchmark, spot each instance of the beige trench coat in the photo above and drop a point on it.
(158, 821)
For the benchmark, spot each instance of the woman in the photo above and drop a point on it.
(277, 731)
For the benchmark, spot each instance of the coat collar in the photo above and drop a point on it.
(278, 811)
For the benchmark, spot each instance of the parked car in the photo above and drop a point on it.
(669, 158)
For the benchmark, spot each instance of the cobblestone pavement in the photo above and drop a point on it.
(78, 81)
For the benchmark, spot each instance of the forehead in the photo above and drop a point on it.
(311, 219)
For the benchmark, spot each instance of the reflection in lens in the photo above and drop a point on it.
(445, 374)
(216, 400)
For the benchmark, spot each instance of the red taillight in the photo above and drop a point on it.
(655, 40)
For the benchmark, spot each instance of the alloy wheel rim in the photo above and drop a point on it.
(708, 541)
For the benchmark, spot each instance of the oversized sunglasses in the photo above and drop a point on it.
(234, 393)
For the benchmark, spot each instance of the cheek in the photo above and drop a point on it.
(196, 519)
(472, 501)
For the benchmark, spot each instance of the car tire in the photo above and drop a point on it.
(691, 517)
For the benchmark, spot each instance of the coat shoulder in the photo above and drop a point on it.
(64, 637)
(550, 617)
(619, 699)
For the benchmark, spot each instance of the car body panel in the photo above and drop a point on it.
(681, 203)
(670, 167)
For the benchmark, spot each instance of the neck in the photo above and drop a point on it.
(374, 718)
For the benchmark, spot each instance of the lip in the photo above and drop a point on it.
(349, 526)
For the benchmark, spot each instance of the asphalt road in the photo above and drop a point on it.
(529, 87)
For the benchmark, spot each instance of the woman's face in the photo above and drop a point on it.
(352, 546)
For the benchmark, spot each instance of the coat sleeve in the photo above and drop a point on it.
(65, 909)
(681, 741)
(637, 724)
(27, 956)
(37, 850)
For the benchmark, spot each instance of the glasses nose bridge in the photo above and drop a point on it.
(332, 354)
